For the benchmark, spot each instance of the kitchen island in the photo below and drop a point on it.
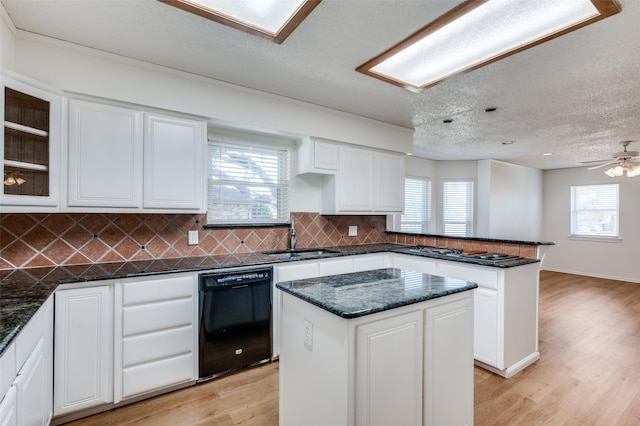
(387, 346)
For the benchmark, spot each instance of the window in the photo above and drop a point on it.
(247, 183)
(417, 205)
(594, 210)
(457, 213)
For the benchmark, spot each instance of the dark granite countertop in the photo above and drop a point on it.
(23, 291)
(362, 293)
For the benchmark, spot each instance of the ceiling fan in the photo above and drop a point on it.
(621, 162)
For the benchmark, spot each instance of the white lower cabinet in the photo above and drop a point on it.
(506, 314)
(411, 365)
(83, 374)
(156, 334)
(124, 339)
(28, 364)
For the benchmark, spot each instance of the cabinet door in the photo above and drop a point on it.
(83, 375)
(32, 404)
(105, 156)
(29, 147)
(388, 381)
(173, 163)
(389, 182)
(8, 409)
(355, 180)
(316, 157)
(448, 360)
(485, 326)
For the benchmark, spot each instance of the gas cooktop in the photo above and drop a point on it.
(479, 257)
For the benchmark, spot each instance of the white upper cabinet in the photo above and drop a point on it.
(30, 147)
(122, 159)
(317, 157)
(174, 166)
(105, 156)
(389, 182)
(367, 182)
(355, 180)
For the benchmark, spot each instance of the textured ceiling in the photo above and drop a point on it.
(577, 96)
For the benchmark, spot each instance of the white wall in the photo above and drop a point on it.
(614, 260)
(76, 69)
(509, 201)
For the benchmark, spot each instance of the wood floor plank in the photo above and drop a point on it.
(588, 374)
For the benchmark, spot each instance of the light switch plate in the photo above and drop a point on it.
(353, 231)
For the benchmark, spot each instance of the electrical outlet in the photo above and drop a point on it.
(193, 238)
(353, 231)
(308, 334)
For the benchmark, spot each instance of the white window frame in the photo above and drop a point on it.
(578, 209)
(469, 210)
(402, 222)
(252, 144)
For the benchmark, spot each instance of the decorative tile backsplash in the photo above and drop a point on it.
(35, 240)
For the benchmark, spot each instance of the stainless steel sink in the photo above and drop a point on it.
(297, 254)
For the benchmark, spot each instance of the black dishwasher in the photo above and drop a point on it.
(235, 320)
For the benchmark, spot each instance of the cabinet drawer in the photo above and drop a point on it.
(157, 316)
(415, 263)
(157, 289)
(157, 375)
(155, 346)
(368, 262)
(335, 266)
(297, 271)
(474, 274)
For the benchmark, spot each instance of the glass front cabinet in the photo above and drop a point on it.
(31, 147)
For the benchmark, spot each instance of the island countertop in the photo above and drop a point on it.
(362, 293)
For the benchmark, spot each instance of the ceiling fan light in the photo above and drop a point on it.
(9, 181)
(617, 171)
(633, 171)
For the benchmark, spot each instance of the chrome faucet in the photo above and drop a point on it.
(292, 232)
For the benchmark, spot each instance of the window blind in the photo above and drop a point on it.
(457, 201)
(594, 210)
(417, 205)
(247, 184)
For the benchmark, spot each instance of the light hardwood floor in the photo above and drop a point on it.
(588, 374)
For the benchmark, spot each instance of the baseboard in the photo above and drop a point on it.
(515, 368)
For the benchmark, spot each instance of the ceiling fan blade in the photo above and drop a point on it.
(608, 163)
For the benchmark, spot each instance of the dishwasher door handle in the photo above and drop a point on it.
(240, 286)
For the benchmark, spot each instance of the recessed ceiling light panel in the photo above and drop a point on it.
(272, 19)
(479, 32)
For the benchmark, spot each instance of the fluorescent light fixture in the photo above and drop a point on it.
(477, 33)
(271, 19)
